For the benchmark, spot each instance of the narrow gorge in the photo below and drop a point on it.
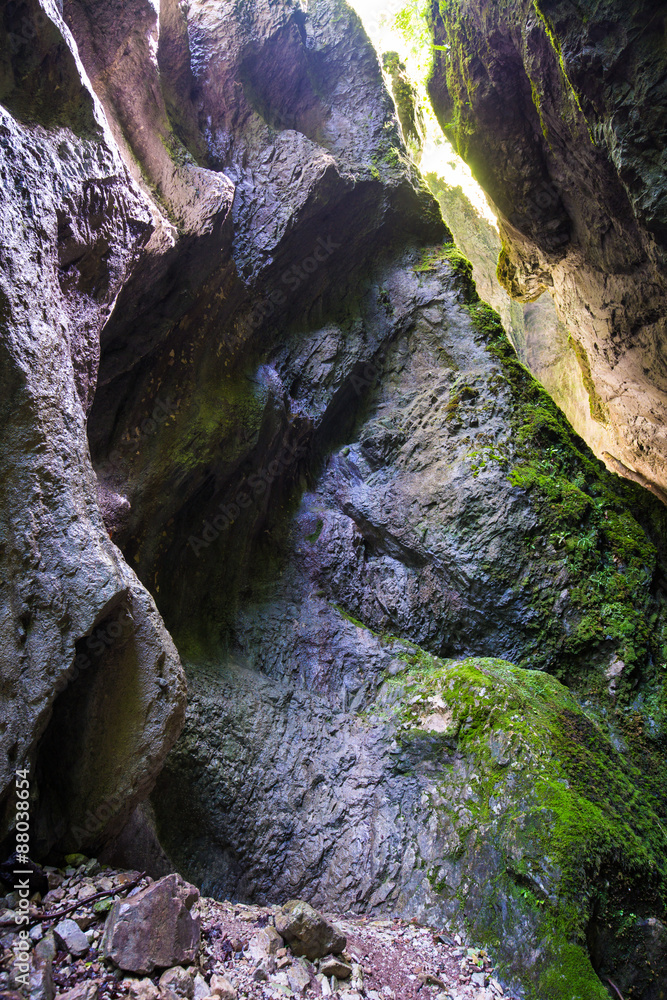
(332, 509)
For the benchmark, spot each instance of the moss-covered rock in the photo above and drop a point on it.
(606, 530)
(551, 822)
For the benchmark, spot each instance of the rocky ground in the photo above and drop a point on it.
(223, 949)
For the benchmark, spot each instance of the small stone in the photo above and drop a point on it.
(496, 987)
(36, 933)
(201, 989)
(178, 981)
(333, 966)
(142, 989)
(299, 978)
(124, 877)
(260, 975)
(55, 879)
(266, 942)
(478, 979)
(268, 963)
(53, 896)
(84, 991)
(222, 988)
(45, 950)
(41, 968)
(86, 891)
(324, 984)
(71, 937)
(428, 979)
(102, 905)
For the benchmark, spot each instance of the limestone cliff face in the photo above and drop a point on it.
(559, 110)
(92, 687)
(317, 450)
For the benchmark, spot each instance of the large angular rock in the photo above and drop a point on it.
(307, 931)
(154, 929)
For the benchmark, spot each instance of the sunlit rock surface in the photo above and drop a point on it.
(560, 113)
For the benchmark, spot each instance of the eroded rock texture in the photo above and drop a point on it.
(318, 451)
(560, 112)
(93, 692)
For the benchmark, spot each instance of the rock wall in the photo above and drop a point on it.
(541, 340)
(318, 451)
(560, 114)
(88, 669)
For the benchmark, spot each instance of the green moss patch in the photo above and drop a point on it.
(432, 258)
(605, 532)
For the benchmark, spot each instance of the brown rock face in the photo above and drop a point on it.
(153, 929)
(560, 112)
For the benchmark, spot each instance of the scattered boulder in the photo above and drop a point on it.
(153, 929)
(307, 931)
(71, 937)
(178, 981)
(334, 966)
